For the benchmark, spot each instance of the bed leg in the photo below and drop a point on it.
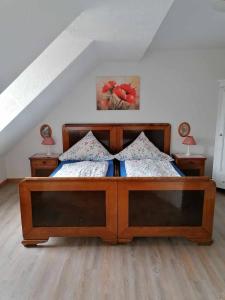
(201, 242)
(109, 241)
(33, 243)
(205, 243)
(124, 240)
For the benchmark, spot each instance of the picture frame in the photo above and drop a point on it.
(45, 131)
(118, 92)
(184, 129)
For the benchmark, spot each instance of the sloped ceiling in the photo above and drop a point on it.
(192, 24)
(120, 30)
(27, 27)
(124, 30)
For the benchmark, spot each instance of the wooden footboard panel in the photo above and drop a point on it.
(117, 209)
(69, 207)
(169, 207)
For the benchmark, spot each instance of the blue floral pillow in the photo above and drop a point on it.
(88, 148)
(142, 148)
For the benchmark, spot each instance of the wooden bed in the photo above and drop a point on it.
(117, 209)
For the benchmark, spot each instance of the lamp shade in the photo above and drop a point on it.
(48, 141)
(189, 140)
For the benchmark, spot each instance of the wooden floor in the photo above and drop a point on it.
(87, 269)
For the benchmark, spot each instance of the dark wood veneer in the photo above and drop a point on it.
(117, 136)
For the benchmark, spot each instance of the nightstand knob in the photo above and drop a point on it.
(221, 134)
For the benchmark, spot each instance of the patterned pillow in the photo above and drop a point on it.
(142, 148)
(88, 148)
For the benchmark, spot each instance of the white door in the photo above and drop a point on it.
(219, 153)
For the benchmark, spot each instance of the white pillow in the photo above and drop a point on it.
(142, 148)
(88, 148)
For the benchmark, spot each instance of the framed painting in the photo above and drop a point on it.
(118, 93)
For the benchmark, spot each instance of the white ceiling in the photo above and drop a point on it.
(121, 34)
(120, 38)
(27, 27)
(191, 24)
(123, 29)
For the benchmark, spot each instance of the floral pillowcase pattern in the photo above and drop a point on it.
(88, 148)
(142, 148)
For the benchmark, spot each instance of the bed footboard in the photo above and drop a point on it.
(169, 207)
(69, 207)
(117, 209)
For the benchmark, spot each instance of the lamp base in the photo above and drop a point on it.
(48, 150)
(188, 153)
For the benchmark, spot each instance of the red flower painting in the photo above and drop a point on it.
(118, 93)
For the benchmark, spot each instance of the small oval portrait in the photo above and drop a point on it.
(45, 131)
(184, 129)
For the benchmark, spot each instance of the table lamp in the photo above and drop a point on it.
(189, 140)
(48, 141)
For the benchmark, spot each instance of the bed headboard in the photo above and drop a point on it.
(158, 133)
(115, 137)
(105, 133)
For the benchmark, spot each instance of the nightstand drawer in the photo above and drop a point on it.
(44, 163)
(190, 164)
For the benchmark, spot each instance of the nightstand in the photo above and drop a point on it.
(42, 165)
(192, 165)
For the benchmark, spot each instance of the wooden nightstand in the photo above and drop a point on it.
(42, 165)
(193, 165)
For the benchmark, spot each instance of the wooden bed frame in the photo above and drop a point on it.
(117, 209)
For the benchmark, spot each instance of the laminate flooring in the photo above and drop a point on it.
(83, 268)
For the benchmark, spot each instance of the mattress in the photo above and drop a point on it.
(174, 170)
(73, 168)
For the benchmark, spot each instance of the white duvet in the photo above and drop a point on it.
(149, 168)
(83, 169)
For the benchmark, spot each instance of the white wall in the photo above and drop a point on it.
(176, 86)
(2, 170)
